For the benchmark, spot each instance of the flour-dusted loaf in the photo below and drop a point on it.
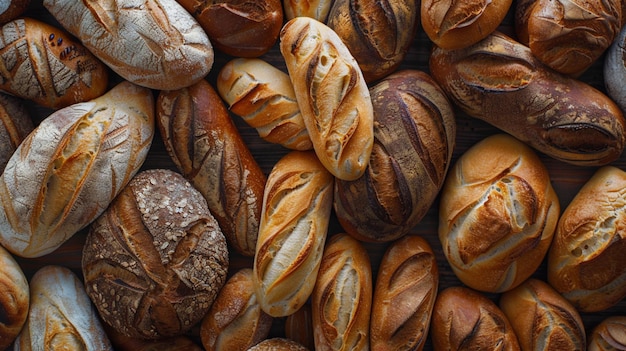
(206, 146)
(608, 335)
(48, 66)
(497, 214)
(14, 298)
(332, 94)
(465, 319)
(414, 136)
(404, 295)
(499, 81)
(235, 321)
(71, 166)
(614, 69)
(15, 125)
(568, 35)
(153, 43)
(61, 315)
(155, 260)
(543, 319)
(296, 213)
(263, 96)
(316, 9)
(342, 298)
(586, 261)
(377, 33)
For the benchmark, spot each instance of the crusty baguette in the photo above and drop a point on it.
(332, 95)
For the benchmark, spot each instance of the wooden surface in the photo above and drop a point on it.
(567, 179)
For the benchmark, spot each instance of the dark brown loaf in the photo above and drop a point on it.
(586, 262)
(14, 298)
(69, 169)
(155, 260)
(207, 148)
(404, 295)
(342, 298)
(464, 319)
(414, 136)
(46, 65)
(15, 124)
(542, 319)
(499, 81)
(377, 33)
(567, 40)
(608, 335)
(235, 321)
(497, 214)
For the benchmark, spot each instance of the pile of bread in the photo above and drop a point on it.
(366, 142)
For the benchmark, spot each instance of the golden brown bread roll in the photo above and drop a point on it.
(235, 320)
(586, 261)
(278, 344)
(568, 35)
(614, 69)
(207, 148)
(68, 170)
(342, 298)
(316, 9)
(14, 298)
(404, 295)
(299, 326)
(332, 94)
(414, 136)
(608, 335)
(15, 124)
(542, 319)
(152, 43)
(263, 96)
(61, 315)
(499, 81)
(46, 65)
(497, 214)
(155, 260)
(296, 212)
(461, 23)
(377, 33)
(464, 319)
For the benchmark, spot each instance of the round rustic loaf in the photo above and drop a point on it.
(15, 124)
(155, 260)
(14, 298)
(497, 214)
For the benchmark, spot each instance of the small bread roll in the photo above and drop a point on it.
(542, 319)
(586, 261)
(14, 298)
(342, 298)
(407, 277)
(608, 335)
(15, 124)
(464, 319)
(461, 23)
(332, 94)
(294, 223)
(497, 214)
(278, 344)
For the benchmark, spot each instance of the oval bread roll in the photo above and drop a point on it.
(332, 95)
(497, 214)
(69, 169)
(14, 298)
(152, 43)
(15, 125)
(608, 335)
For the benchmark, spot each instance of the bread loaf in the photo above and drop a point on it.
(278, 344)
(11, 9)
(15, 124)
(61, 316)
(499, 81)
(241, 28)
(414, 136)
(608, 335)
(404, 295)
(263, 96)
(497, 214)
(296, 212)
(155, 260)
(152, 43)
(235, 320)
(461, 23)
(207, 148)
(332, 94)
(586, 261)
(377, 33)
(68, 170)
(542, 319)
(342, 298)
(464, 319)
(14, 298)
(316, 9)
(614, 69)
(567, 40)
(46, 65)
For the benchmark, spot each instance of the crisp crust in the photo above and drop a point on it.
(609, 334)
(15, 298)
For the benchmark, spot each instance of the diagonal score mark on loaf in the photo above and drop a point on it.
(554, 326)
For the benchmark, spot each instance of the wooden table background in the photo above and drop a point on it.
(566, 179)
